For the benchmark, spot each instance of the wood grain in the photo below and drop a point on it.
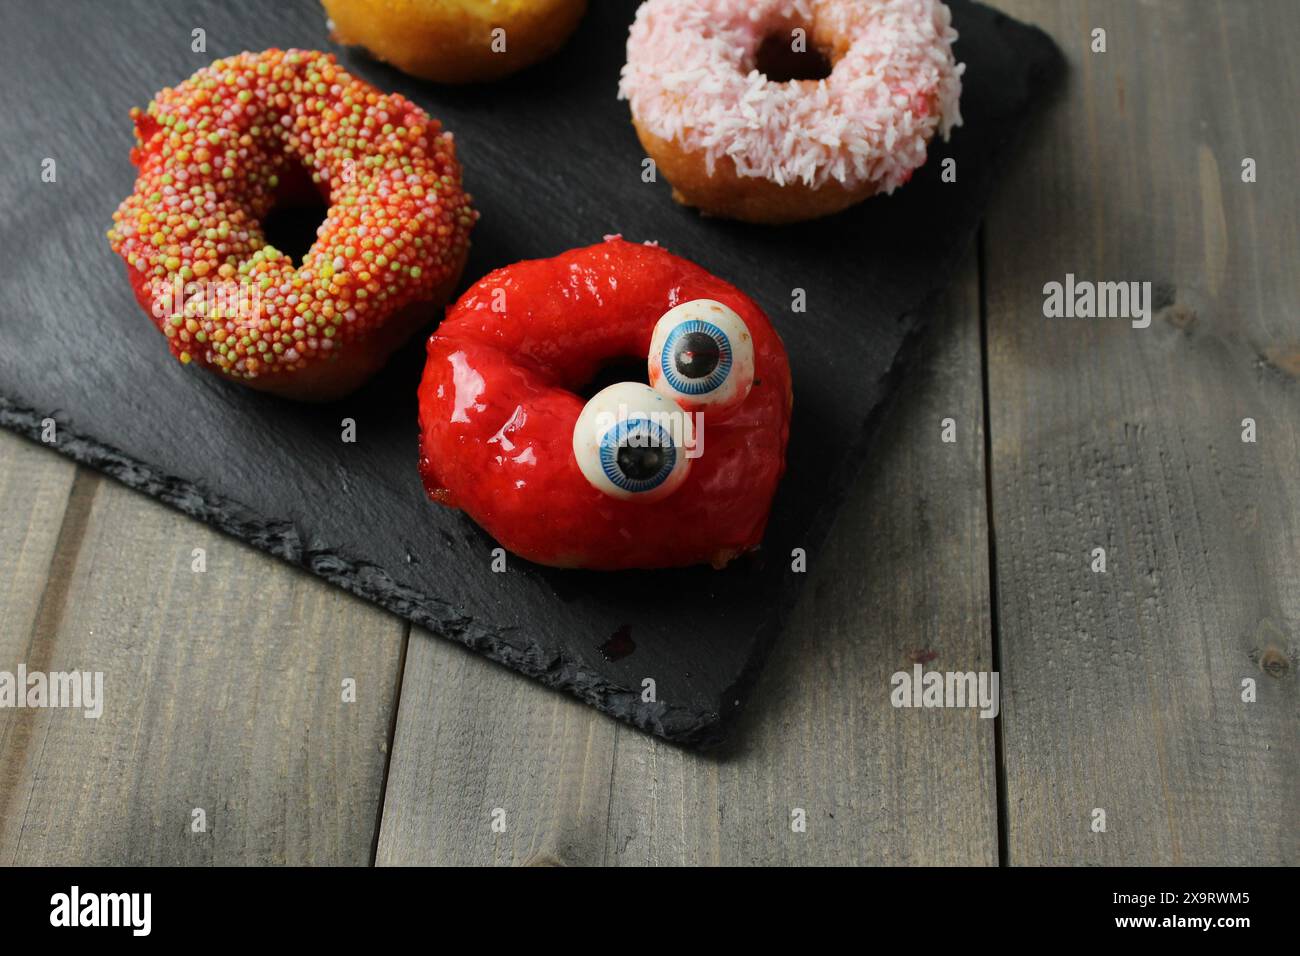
(34, 492)
(223, 691)
(1122, 690)
(34, 487)
(474, 740)
(878, 785)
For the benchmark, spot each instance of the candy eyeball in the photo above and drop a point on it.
(702, 357)
(633, 443)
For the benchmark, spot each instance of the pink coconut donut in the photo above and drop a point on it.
(735, 143)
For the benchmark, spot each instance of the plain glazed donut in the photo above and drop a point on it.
(216, 153)
(456, 41)
(735, 143)
(506, 437)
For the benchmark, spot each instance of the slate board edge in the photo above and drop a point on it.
(370, 582)
(281, 539)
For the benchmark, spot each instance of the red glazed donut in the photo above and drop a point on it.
(215, 155)
(636, 477)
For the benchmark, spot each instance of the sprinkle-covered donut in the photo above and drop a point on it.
(676, 472)
(735, 142)
(216, 153)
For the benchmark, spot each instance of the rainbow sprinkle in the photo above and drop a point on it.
(212, 154)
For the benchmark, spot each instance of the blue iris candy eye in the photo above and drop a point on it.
(696, 357)
(633, 443)
(637, 455)
(702, 357)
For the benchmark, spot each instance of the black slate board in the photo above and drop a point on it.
(553, 163)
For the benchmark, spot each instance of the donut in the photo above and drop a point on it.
(218, 152)
(677, 469)
(736, 143)
(456, 41)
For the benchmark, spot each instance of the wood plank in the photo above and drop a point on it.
(476, 744)
(223, 692)
(1123, 690)
(35, 485)
(877, 784)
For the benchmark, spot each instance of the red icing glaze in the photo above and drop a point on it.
(498, 408)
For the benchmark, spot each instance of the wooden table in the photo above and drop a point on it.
(1122, 690)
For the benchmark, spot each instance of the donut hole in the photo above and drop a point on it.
(780, 61)
(292, 229)
(297, 214)
(622, 369)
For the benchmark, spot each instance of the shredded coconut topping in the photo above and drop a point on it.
(691, 77)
